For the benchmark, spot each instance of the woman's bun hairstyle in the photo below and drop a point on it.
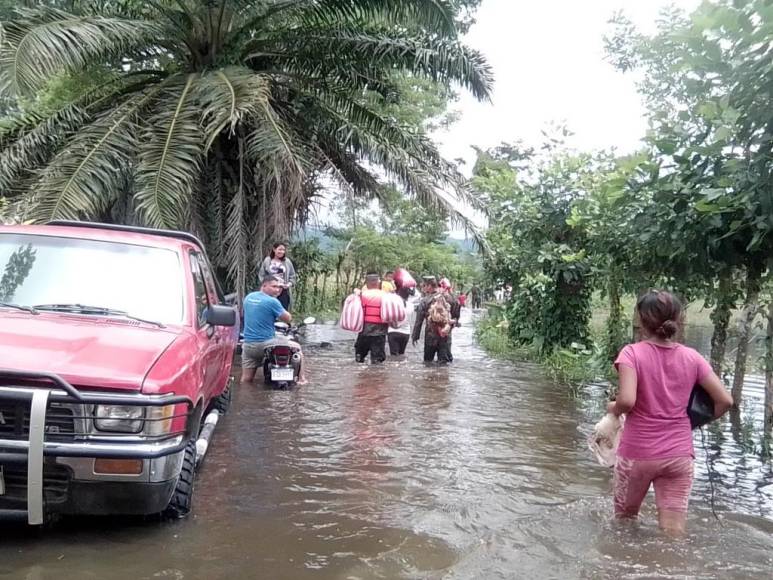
(660, 313)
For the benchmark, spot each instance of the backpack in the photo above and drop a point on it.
(439, 314)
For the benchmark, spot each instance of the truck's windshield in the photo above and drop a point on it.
(139, 280)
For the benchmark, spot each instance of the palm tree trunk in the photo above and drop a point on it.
(323, 306)
(720, 317)
(315, 291)
(753, 276)
(635, 324)
(769, 371)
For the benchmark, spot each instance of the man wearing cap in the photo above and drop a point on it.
(436, 341)
(372, 339)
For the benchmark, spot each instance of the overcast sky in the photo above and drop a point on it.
(548, 62)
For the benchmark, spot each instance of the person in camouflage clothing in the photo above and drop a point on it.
(438, 312)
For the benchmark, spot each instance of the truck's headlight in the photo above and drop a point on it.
(159, 420)
(119, 418)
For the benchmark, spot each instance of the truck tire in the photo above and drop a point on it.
(182, 498)
(223, 400)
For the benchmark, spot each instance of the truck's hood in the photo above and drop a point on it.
(91, 351)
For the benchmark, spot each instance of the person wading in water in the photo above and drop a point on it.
(657, 376)
(440, 311)
(372, 339)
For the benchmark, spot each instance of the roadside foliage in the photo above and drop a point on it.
(691, 211)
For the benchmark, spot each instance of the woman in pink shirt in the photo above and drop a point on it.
(657, 375)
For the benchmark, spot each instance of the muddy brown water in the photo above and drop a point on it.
(477, 470)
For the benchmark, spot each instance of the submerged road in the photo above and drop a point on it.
(477, 470)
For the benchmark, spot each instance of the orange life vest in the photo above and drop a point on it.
(371, 306)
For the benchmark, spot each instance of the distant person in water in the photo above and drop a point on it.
(438, 313)
(475, 297)
(657, 376)
(388, 283)
(399, 333)
(372, 339)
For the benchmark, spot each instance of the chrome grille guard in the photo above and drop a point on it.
(38, 389)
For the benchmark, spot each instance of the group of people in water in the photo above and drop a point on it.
(435, 310)
(656, 374)
(432, 307)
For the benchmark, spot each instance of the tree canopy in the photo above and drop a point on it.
(224, 116)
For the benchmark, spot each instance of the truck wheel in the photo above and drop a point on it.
(223, 400)
(182, 498)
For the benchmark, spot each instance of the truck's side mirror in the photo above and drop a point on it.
(218, 315)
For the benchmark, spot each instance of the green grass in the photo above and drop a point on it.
(695, 313)
(572, 367)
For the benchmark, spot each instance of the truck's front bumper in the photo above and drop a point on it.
(48, 449)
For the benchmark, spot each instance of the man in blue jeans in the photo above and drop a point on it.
(261, 310)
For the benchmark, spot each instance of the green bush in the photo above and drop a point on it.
(573, 366)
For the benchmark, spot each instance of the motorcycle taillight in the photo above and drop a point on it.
(282, 351)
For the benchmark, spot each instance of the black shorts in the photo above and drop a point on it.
(440, 346)
(375, 345)
(397, 343)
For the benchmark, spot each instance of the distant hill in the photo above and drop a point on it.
(327, 243)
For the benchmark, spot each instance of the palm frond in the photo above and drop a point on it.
(412, 161)
(281, 161)
(170, 156)
(226, 96)
(369, 52)
(32, 147)
(436, 15)
(46, 41)
(82, 178)
(29, 139)
(346, 170)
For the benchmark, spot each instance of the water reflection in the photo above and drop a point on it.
(477, 470)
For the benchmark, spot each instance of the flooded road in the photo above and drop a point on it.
(478, 470)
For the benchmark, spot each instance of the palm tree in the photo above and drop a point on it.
(225, 117)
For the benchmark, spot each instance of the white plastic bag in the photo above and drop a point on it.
(605, 439)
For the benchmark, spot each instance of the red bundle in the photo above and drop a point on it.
(392, 308)
(352, 314)
(403, 279)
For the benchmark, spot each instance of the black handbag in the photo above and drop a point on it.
(700, 407)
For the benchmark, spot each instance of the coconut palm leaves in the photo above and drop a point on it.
(42, 43)
(223, 116)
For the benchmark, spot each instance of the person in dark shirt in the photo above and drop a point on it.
(437, 340)
(372, 339)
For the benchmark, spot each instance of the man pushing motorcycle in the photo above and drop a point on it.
(262, 310)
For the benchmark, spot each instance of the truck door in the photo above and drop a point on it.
(208, 338)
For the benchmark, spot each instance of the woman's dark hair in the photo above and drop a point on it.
(272, 255)
(403, 292)
(660, 313)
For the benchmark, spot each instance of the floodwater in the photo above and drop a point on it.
(477, 470)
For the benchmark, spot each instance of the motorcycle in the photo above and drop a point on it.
(282, 361)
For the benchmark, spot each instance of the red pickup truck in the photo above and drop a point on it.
(114, 343)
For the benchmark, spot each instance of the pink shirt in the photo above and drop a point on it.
(658, 426)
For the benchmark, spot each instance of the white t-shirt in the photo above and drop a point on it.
(406, 326)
